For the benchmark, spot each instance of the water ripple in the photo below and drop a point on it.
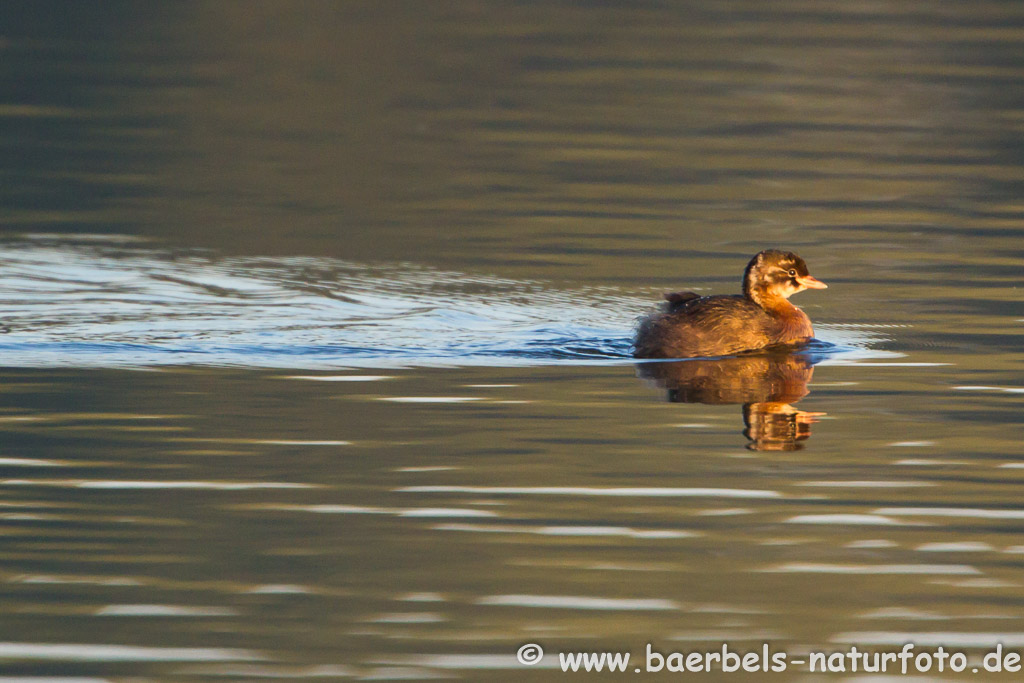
(91, 303)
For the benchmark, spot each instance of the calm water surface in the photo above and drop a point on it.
(317, 321)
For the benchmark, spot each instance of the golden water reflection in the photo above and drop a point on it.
(766, 384)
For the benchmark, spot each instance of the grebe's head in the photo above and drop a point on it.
(776, 274)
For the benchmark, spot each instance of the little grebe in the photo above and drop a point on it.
(691, 325)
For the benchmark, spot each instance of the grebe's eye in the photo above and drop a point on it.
(792, 273)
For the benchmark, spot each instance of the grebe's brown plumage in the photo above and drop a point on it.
(691, 326)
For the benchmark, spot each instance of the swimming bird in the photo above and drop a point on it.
(690, 325)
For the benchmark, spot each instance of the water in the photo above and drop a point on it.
(102, 303)
(317, 321)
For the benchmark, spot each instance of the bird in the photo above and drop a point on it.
(692, 326)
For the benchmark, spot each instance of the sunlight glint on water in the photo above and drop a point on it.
(90, 304)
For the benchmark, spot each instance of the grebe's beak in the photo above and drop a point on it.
(811, 282)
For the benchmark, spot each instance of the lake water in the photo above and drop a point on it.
(317, 318)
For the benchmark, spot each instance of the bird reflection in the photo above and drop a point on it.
(766, 384)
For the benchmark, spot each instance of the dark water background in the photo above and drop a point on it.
(318, 315)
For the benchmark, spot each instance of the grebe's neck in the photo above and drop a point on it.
(769, 300)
